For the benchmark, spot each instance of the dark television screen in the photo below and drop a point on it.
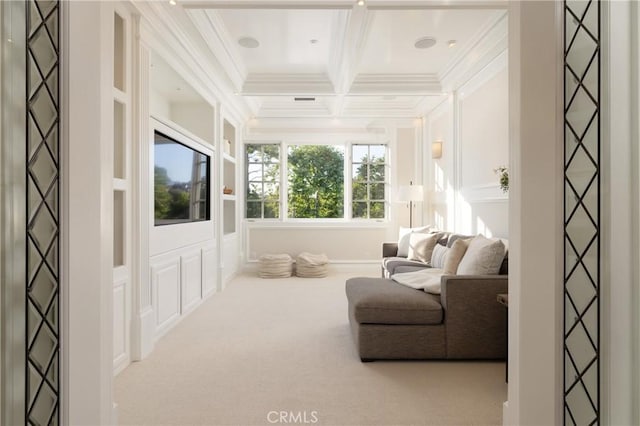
(181, 182)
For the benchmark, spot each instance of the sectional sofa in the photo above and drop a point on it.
(432, 315)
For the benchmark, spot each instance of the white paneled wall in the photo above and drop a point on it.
(190, 280)
(209, 271)
(339, 243)
(165, 276)
(473, 126)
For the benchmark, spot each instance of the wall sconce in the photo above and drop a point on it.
(436, 149)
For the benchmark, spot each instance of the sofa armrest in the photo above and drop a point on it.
(389, 249)
(475, 322)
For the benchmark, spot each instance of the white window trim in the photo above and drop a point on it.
(348, 183)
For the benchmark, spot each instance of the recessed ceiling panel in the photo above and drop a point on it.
(290, 41)
(390, 45)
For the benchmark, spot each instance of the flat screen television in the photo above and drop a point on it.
(180, 183)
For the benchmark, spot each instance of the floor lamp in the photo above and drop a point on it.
(410, 193)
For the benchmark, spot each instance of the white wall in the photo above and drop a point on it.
(341, 243)
(345, 241)
(406, 170)
(472, 124)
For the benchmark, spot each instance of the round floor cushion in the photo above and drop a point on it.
(310, 265)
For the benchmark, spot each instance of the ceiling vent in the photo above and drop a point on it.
(298, 99)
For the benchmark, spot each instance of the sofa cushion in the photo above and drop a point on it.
(391, 263)
(421, 246)
(438, 256)
(382, 301)
(456, 253)
(407, 268)
(453, 237)
(404, 234)
(483, 257)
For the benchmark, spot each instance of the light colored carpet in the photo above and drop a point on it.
(266, 346)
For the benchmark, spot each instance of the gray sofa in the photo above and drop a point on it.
(392, 321)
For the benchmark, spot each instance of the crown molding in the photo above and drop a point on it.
(261, 84)
(436, 4)
(484, 47)
(267, 4)
(394, 84)
(170, 33)
(215, 34)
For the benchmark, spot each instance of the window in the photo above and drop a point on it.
(368, 191)
(263, 181)
(316, 181)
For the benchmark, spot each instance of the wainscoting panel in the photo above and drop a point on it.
(191, 283)
(166, 287)
(209, 271)
(120, 332)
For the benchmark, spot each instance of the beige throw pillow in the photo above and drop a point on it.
(421, 246)
(483, 257)
(455, 255)
(404, 234)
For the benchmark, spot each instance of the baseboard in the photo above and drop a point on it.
(147, 332)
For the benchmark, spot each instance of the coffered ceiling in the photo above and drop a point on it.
(351, 60)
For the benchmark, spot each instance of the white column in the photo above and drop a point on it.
(535, 211)
(88, 213)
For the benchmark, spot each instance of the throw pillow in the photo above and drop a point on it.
(439, 255)
(483, 257)
(453, 237)
(403, 238)
(456, 253)
(421, 246)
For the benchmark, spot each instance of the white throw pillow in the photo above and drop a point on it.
(483, 257)
(421, 246)
(403, 238)
(425, 279)
(439, 256)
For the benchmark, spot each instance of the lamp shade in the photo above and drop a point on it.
(410, 193)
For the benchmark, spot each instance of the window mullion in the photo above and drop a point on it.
(284, 182)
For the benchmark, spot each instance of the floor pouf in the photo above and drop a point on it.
(310, 265)
(275, 266)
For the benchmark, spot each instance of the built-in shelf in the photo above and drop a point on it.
(228, 150)
(229, 216)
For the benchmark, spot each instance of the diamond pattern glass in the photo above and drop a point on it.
(43, 227)
(582, 212)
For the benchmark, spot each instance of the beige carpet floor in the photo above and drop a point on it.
(262, 347)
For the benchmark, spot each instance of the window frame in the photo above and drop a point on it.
(247, 181)
(369, 182)
(348, 182)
